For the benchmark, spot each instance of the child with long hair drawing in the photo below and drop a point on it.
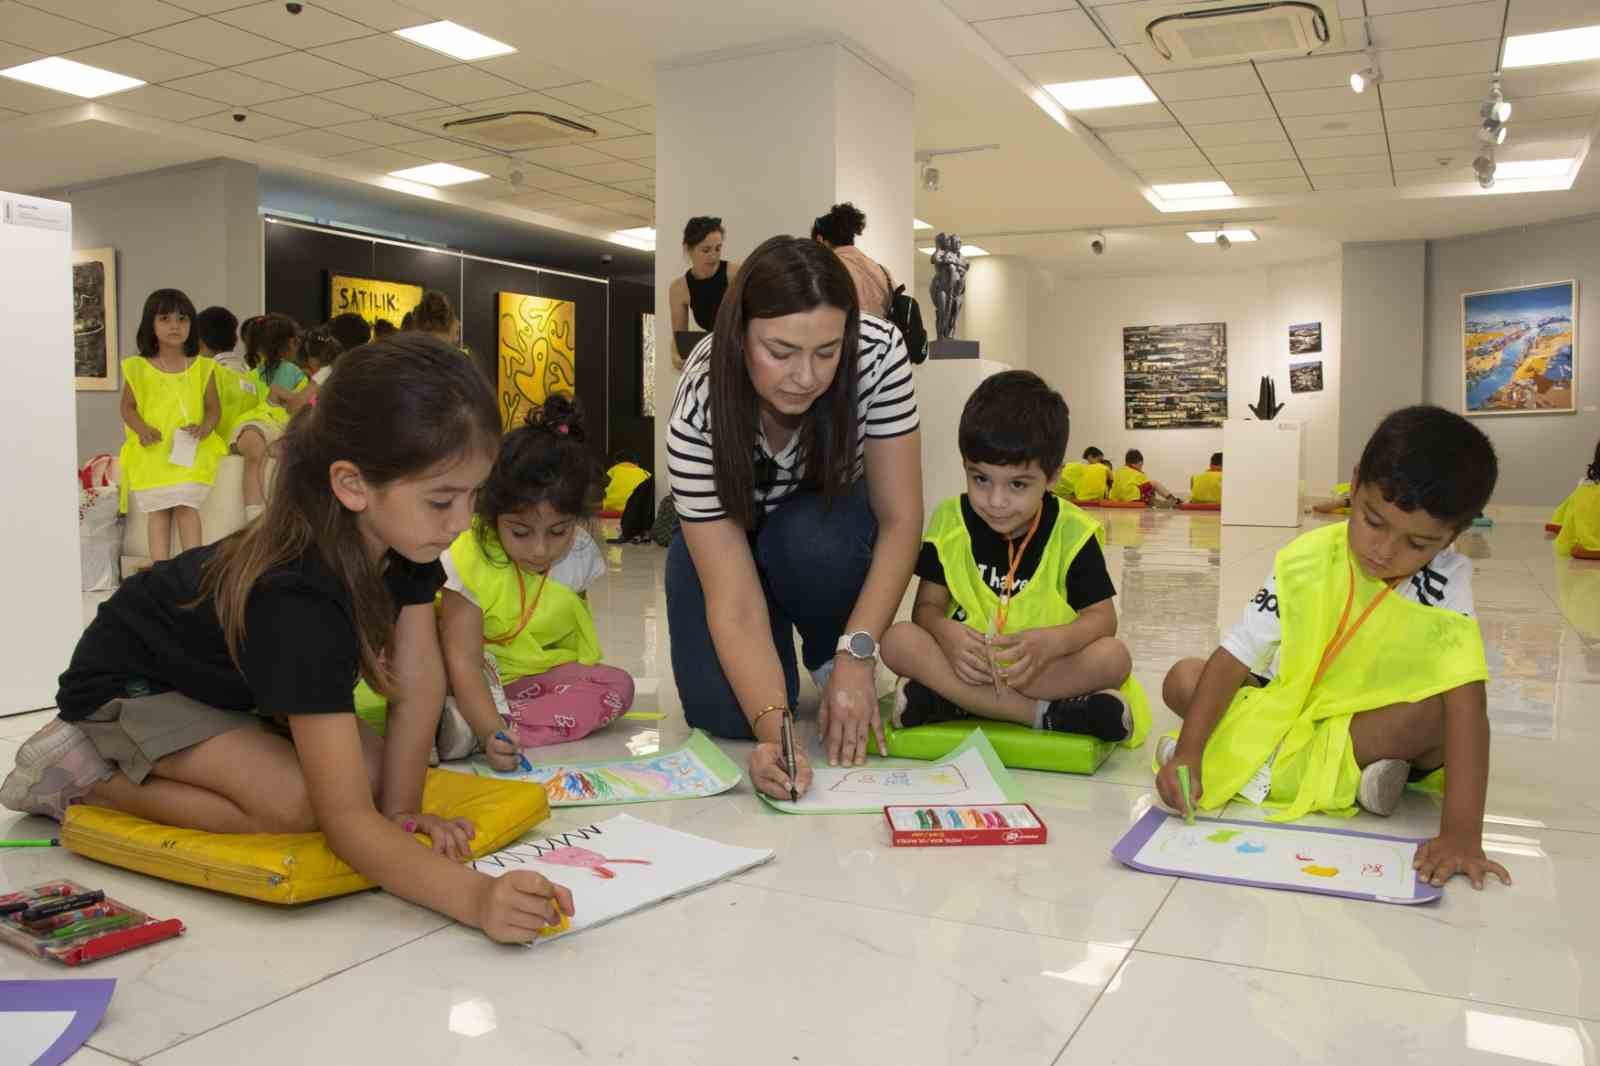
(213, 691)
(502, 595)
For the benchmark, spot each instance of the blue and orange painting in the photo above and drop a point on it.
(1519, 349)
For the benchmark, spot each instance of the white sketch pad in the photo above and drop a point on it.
(622, 865)
(964, 778)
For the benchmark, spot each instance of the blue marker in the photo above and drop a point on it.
(526, 765)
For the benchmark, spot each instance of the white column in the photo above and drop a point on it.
(995, 313)
(767, 139)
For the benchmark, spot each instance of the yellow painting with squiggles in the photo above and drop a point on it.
(537, 353)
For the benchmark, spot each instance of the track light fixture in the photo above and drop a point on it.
(1223, 242)
(1365, 77)
(1484, 168)
(1097, 244)
(1495, 112)
(930, 178)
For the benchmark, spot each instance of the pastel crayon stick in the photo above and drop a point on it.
(1183, 783)
(934, 816)
(922, 819)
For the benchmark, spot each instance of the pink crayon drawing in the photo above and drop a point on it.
(583, 857)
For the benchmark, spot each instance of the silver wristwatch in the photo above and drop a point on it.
(859, 645)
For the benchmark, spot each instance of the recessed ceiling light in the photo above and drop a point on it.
(1192, 190)
(1209, 236)
(456, 41)
(917, 223)
(971, 251)
(642, 238)
(1557, 46)
(437, 174)
(1532, 168)
(65, 76)
(1101, 92)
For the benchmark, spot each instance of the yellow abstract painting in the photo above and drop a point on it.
(537, 353)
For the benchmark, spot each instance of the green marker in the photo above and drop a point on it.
(91, 925)
(645, 716)
(1183, 783)
(51, 843)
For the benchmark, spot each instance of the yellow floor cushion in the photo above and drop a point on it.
(292, 867)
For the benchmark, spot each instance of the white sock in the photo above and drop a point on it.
(252, 511)
(1039, 710)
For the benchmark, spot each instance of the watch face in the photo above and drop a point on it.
(862, 646)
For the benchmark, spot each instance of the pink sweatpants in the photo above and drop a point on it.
(567, 703)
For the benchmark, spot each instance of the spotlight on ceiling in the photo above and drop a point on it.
(1097, 244)
(1493, 131)
(1224, 242)
(1497, 106)
(930, 178)
(1484, 168)
(1363, 78)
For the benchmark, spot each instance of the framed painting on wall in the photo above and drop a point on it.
(1305, 377)
(536, 353)
(647, 364)
(1519, 350)
(1305, 338)
(371, 298)
(95, 353)
(1175, 377)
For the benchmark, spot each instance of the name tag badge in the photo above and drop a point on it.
(1256, 789)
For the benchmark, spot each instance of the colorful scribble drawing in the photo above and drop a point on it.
(933, 781)
(1247, 848)
(584, 859)
(678, 775)
(1320, 871)
(1222, 836)
(537, 353)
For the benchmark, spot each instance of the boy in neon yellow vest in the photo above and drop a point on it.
(1133, 485)
(1013, 618)
(1066, 485)
(1206, 486)
(1094, 481)
(1359, 665)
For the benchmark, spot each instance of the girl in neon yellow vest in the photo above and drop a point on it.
(499, 598)
(1577, 520)
(170, 410)
(1378, 674)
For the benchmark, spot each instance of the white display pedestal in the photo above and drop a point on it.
(1264, 463)
(943, 387)
(38, 407)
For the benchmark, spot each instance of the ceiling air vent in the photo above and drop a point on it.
(1271, 30)
(514, 131)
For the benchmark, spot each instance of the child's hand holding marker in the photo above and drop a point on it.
(513, 908)
(1171, 788)
(966, 650)
(502, 753)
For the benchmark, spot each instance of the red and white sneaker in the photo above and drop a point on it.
(56, 767)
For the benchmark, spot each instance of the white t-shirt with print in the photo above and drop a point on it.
(1445, 582)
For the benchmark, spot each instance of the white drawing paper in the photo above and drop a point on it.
(622, 865)
(1281, 855)
(961, 779)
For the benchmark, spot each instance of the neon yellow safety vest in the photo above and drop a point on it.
(1066, 485)
(1092, 483)
(624, 478)
(1579, 519)
(1404, 653)
(240, 395)
(1206, 487)
(167, 401)
(1042, 601)
(1125, 487)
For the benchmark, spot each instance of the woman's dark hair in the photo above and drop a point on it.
(434, 314)
(1014, 418)
(349, 329)
(699, 228)
(785, 276)
(840, 226)
(396, 409)
(1134, 456)
(1216, 459)
(547, 459)
(1594, 467)
(164, 302)
(217, 329)
(267, 343)
(321, 345)
(1427, 458)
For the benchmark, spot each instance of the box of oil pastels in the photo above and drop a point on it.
(998, 823)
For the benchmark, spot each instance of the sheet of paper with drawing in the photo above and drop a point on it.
(622, 865)
(699, 768)
(1331, 862)
(971, 774)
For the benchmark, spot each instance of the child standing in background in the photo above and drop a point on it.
(1132, 485)
(1066, 485)
(1206, 487)
(499, 597)
(171, 408)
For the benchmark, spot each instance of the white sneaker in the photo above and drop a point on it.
(455, 738)
(1382, 784)
(56, 767)
(1166, 748)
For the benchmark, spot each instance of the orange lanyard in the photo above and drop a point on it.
(1341, 635)
(527, 608)
(1013, 557)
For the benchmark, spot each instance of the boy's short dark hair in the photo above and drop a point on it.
(218, 328)
(1091, 454)
(1012, 419)
(349, 329)
(1427, 458)
(1216, 458)
(1134, 456)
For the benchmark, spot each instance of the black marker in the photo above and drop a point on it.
(788, 757)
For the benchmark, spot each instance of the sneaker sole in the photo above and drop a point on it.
(1382, 784)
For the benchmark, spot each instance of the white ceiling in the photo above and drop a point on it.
(332, 91)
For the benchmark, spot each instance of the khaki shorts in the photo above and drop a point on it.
(135, 732)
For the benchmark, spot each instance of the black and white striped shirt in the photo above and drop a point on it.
(886, 407)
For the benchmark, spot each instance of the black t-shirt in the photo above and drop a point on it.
(1088, 581)
(299, 654)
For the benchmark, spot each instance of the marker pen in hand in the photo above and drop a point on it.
(523, 759)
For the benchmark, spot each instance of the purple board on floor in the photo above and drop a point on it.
(33, 1028)
(1294, 858)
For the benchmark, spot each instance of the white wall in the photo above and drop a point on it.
(195, 228)
(1383, 318)
(1541, 456)
(873, 168)
(996, 312)
(1075, 343)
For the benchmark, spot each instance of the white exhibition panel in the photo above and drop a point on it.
(1265, 461)
(39, 525)
(943, 386)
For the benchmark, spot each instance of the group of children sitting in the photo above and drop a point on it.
(1094, 482)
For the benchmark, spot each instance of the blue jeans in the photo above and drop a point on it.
(812, 562)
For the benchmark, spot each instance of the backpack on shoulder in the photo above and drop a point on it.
(906, 314)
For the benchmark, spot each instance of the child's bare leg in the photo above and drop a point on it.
(253, 447)
(160, 535)
(1103, 664)
(189, 532)
(911, 652)
(1410, 731)
(1178, 689)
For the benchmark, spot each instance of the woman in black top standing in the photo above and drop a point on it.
(703, 285)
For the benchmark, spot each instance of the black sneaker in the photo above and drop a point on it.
(1104, 715)
(916, 704)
